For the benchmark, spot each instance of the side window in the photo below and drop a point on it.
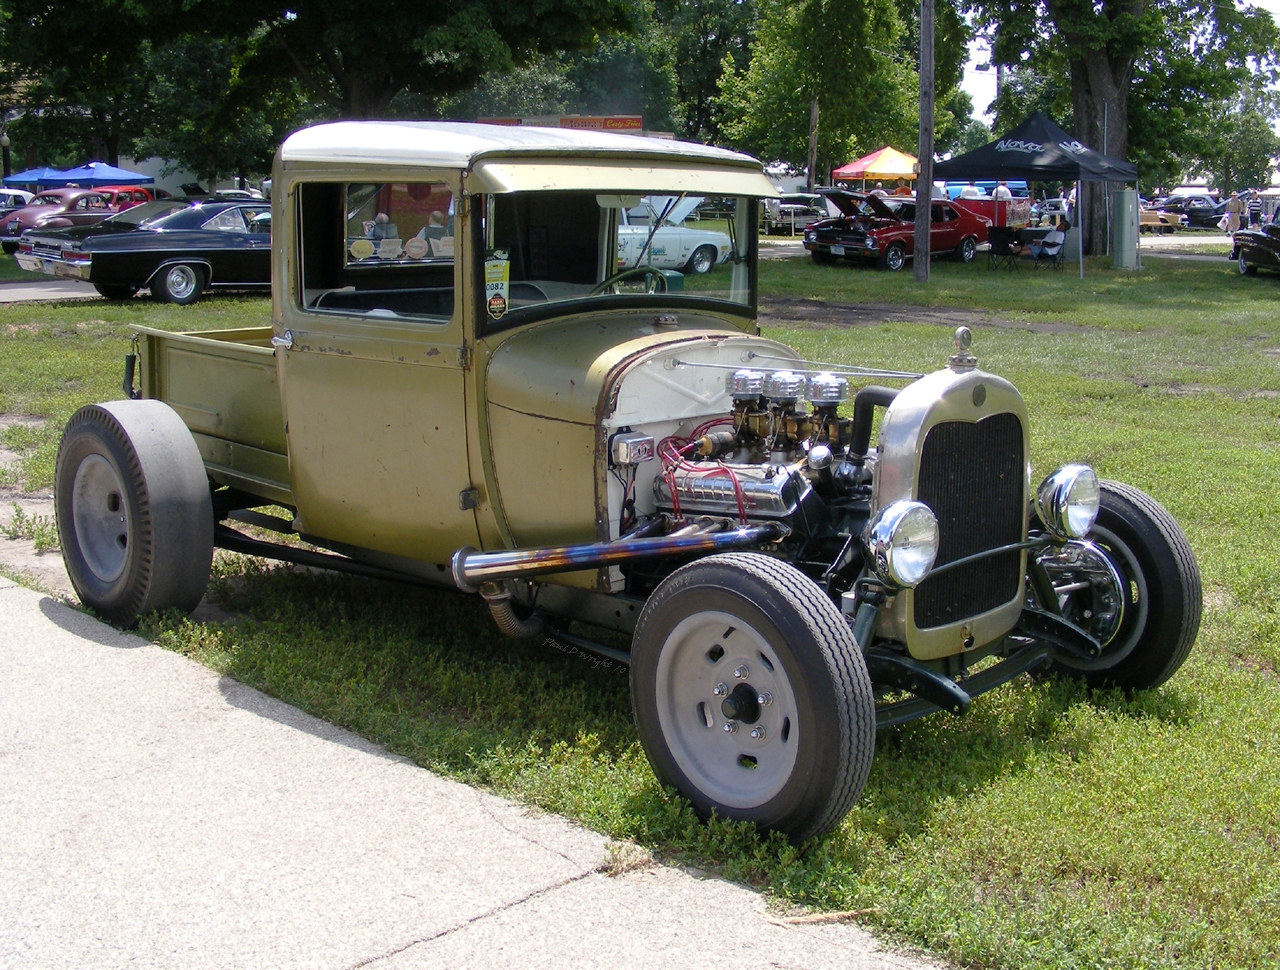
(377, 249)
(399, 222)
(82, 205)
(229, 220)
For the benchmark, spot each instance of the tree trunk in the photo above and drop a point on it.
(1099, 98)
(813, 145)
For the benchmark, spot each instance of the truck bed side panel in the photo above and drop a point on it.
(223, 385)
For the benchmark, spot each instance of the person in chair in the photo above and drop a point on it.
(1051, 244)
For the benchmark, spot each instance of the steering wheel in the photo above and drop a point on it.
(654, 281)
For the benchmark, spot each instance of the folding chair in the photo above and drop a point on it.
(1004, 249)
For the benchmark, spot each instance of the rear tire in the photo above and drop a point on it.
(1159, 588)
(135, 518)
(115, 291)
(744, 623)
(181, 283)
(967, 250)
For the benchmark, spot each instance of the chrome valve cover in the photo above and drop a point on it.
(768, 491)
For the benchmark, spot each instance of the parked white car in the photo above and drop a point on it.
(673, 245)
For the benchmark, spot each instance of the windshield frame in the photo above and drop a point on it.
(521, 316)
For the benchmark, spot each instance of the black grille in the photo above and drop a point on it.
(971, 476)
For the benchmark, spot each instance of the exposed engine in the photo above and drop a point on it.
(783, 454)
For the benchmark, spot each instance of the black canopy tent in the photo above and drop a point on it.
(1037, 150)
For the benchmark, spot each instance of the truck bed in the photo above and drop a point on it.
(223, 384)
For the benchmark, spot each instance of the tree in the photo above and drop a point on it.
(703, 34)
(845, 55)
(82, 72)
(356, 58)
(1241, 144)
(1141, 72)
(198, 125)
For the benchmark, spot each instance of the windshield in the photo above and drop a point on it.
(550, 250)
(145, 214)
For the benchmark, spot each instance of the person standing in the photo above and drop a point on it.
(1001, 191)
(1234, 208)
(971, 191)
(1255, 210)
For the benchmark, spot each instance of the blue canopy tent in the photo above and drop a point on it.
(99, 173)
(39, 177)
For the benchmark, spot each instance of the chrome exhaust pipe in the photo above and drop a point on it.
(471, 568)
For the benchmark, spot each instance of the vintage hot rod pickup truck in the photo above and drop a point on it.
(459, 388)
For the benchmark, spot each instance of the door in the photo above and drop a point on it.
(372, 385)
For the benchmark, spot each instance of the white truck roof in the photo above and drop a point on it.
(500, 158)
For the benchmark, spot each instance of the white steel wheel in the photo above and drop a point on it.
(750, 695)
(1245, 268)
(101, 517)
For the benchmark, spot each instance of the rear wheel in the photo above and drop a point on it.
(702, 260)
(1135, 587)
(115, 291)
(967, 250)
(135, 518)
(894, 258)
(181, 283)
(751, 697)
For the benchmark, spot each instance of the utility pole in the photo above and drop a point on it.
(924, 175)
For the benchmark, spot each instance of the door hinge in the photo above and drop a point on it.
(469, 498)
(464, 357)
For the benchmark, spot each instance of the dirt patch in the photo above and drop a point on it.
(789, 312)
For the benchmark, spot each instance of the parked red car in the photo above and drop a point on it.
(121, 197)
(883, 228)
(55, 209)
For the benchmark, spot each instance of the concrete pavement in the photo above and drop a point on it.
(46, 288)
(154, 814)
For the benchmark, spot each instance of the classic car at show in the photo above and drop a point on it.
(672, 244)
(1255, 249)
(1160, 221)
(54, 209)
(175, 249)
(883, 229)
(800, 551)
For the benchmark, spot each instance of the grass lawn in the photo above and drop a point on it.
(10, 270)
(1050, 827)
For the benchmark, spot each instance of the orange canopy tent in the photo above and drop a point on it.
(887, 163)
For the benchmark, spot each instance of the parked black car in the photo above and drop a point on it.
(1203, 211)
(176, 249)
(1255, 248)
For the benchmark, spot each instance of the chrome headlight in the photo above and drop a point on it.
(1067, 501)
(902, 543)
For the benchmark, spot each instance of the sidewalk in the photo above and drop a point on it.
(48, 288)
(154, 814)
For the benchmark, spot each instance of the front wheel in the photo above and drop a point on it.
(1134, 586)
(821, 258)
(1245, 268)
(702, 260)
(134, 514)
(181, 283)
(750, 695)
(894, 258)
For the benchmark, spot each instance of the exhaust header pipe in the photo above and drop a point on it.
(471, 568)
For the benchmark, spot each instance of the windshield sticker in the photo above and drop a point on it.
(389, 248)
(362, 249)
(416, 248)
(497, 279)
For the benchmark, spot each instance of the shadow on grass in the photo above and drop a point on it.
(427, 675)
